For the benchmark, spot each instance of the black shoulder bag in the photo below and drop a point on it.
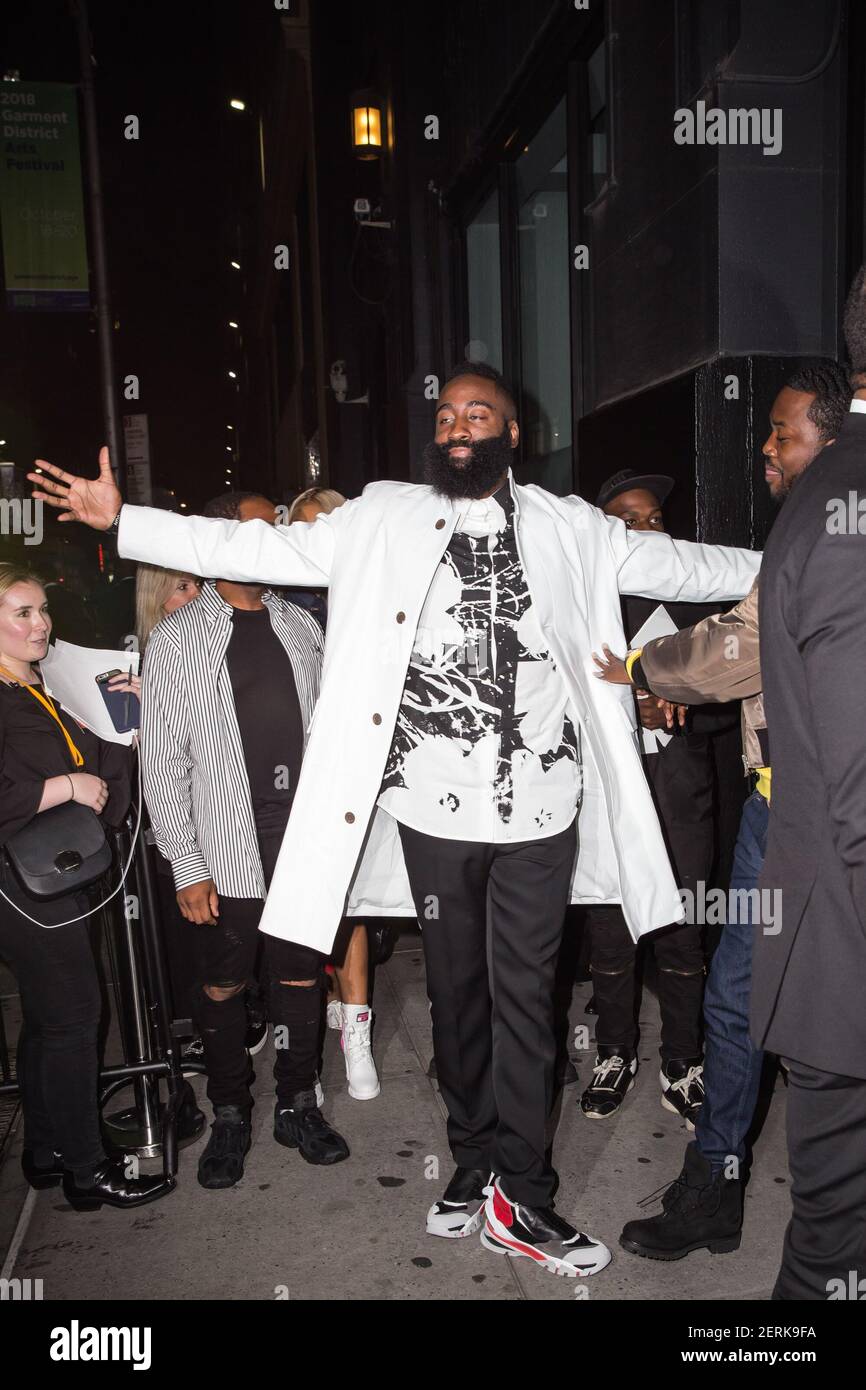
(64, 848)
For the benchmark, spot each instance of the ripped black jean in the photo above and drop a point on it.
(227, 954)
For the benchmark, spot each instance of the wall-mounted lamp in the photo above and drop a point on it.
(366, 126)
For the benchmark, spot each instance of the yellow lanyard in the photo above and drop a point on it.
(48, 704)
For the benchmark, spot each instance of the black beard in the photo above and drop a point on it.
(489, 462)
(786, 486)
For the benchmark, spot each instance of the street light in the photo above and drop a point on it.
(235, 265)
(237, 105)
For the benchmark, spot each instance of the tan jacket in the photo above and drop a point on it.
(716, 660)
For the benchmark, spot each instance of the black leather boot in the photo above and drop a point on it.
(301, 1125)
(699, 1211)
(111, 1187)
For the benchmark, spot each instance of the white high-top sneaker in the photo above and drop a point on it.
(355, 1041)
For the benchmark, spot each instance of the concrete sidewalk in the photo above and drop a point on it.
(356, 1231)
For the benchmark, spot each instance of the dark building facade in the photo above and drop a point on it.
(642, 213)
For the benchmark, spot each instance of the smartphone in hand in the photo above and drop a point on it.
(123, 706)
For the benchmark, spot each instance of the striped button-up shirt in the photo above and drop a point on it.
(194, 775)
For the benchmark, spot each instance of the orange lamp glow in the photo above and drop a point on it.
(367, 131)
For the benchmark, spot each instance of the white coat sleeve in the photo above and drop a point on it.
(655, 565)
(247, 552)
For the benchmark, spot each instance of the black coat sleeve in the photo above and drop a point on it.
(19, 798)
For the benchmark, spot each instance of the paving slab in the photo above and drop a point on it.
(290, 1231)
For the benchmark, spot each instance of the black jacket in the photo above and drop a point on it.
(809, 983)
(32, 749)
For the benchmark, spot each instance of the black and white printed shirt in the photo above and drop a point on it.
(483, 748)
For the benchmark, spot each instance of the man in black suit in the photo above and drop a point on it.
(809, 980)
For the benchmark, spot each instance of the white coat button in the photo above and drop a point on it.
(350, 817)
(377, 719)
(439, 524)
(401, 617)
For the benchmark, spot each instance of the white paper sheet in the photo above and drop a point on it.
(69, 673)
(658, 624)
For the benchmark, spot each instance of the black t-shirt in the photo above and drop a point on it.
(269, 715)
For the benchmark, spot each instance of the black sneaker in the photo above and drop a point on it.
(302, 1125)
(460, 1210)
(682, 1083)
(699, 1211)
(539, 1234)
(222, 1163)
(612, 1079)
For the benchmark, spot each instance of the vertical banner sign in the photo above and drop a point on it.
(136, 439)
(41, 203)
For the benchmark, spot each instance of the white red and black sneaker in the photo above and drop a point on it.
(539, 1234)
(682, 1084)
(460, 1210)
(612, 1079)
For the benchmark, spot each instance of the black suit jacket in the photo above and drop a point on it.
(809, 979)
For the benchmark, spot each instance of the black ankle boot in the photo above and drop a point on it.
(699, 1211)
(40, 1177)
(222, 1163)
(301, 1125)
(111, 1187)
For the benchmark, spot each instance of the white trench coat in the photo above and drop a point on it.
(377, 555)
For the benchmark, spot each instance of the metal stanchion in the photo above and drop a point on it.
(131, 920)
(148, 1128)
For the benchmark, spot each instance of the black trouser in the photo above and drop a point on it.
(824, 1254)
(491, 921)
(681, 780)
(680, 963)
(227, 954)
(57, 1052)
(179, 942)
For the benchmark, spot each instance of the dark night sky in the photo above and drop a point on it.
(168, 211)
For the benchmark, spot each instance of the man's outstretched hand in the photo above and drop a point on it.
(77, 499)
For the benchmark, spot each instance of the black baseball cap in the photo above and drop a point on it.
(626, 480)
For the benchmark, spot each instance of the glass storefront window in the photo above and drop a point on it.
(484, 285)
(596, 92)
(545, 323)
